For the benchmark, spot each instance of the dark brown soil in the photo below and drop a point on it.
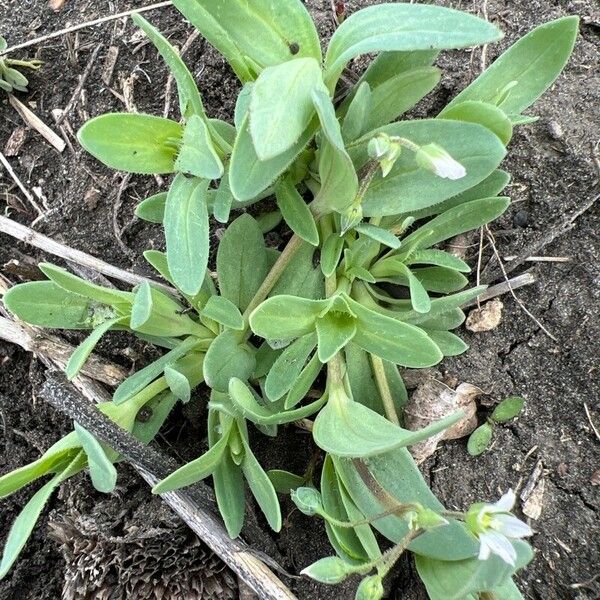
(554, 173)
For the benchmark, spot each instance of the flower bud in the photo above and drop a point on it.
(308, 500)
(434, 158)
(370, 588)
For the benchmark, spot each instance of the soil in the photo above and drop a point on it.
(555, 169)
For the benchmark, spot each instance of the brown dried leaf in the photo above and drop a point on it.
(486, 318)
(432, 401)
(15, 141)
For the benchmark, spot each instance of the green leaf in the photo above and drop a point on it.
(379, 234)
(339, 182)
(227, 479)
(135, 143)
(344, 540)
(404, 27)
(223, 199)
(286, 317)
(178, 383)
(533, 64)
(247, 404)
(288, 366)
(480, 439)
(398, 94)
(158, 409)
(23, 525)
(142, 378)
(197, 155)
(195, 470)
(79, 357)
(454, 221)
(190, 102)
(281, 107)
(490, 187)
(362, 380)
(355, 119)
(102, 470)
(261, 487)
(334, 330)
(438, 258)
(242, 262)
(375, 487)
(284, 481)
(441, 280)
(392, 340)
(45, 304)
(295, 211)
(258, 33)
(152, 209)
(331, 253)
(227, 358)
(456, 580)
(301, 277)
(418, 294)
(485, 114)
(51, 462)
(301, 386)
(72, 283)
(187, 233)
(157, 314)
(223, 311)
(508, 409)
(349, 429)
(248, 175)
(448, 343)
(407, 187)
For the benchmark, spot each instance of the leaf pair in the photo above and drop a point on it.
(229, 460)
(340, 320)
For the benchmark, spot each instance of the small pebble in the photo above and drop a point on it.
(555, 130)
(521, 218)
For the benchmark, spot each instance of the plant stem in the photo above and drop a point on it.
(384, 389)
(274, 274)
(398, 511)
(390, 558)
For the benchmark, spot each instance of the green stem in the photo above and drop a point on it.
(273, 276)
(389, 559)
(384, 389)
(398, 511)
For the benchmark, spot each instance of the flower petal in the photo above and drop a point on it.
(505, 503)
(510, 526)
(500, 545)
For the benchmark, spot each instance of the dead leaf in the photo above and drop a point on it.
(486, 318)
(532, 507)
(432, 401)
(15, 141)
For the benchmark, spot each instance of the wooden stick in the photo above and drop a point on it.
(20, 184)
(36, 123)
(55, 34)
(40, 342)
(193, 505)
(505, 287)
(33, 238)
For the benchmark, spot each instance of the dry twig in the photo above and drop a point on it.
(20, 185)
(36, 123)
(55, 34)
(29, 236)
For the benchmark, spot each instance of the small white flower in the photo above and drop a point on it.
(434, 158)
(495, 526)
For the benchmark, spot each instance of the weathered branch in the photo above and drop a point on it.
(33, 238)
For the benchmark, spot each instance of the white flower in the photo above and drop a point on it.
(434, 158)
(495, 526)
